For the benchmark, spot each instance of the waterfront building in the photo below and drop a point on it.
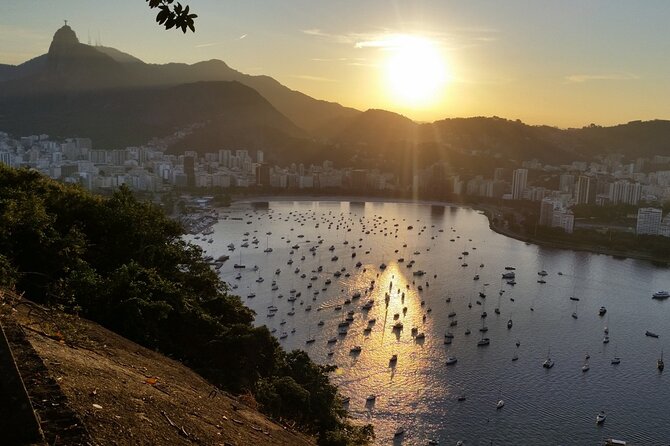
(648, 221)
(563, 219)
(519, 182)
(664, 228)
(624, 192)
(586, 190)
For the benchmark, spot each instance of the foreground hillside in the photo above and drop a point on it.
(128, 395)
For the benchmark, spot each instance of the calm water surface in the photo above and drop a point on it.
(420, 392)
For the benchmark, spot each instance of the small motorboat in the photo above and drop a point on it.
(451, 360)
(601, 417)
(660, 295)
(650, 334)
(500, 404)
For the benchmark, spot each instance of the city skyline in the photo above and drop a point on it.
(566, 65)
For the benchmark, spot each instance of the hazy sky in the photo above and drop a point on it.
(562, 62)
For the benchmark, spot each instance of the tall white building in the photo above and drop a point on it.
(6, 158)
(649, 221)
(625, 192)
(519, 181)
(586, 190)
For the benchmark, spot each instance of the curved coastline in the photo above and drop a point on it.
(486, 210)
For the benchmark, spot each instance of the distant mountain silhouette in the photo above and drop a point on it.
(71, 65)
(117, 99)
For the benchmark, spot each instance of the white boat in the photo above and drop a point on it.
(500, 404)
(601, 417)
(585, 367)
(660, 295)
(451, 360)
(548, 363)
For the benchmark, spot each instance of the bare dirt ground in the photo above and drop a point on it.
(128, 395)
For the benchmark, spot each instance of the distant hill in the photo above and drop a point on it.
(117, 118)
(636, 138)
(383, 133)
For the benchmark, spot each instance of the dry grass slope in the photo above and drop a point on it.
(128, 395)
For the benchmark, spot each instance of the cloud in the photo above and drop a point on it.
(206, 45)
(581, 78)
(458, 38)
(337, 38)
(337, 59)
(242, 36)
(314, 78)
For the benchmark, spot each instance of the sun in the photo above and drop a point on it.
(416, 71)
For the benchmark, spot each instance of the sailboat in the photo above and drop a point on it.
(483, 341)
(659, 363)
(267, 243)
(616, 360)
(574, 313)
(548, 363)
(497, 309)
(239, 265)
(500, 404)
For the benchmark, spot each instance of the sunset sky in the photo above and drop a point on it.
(564, 63)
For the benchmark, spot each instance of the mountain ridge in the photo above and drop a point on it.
(110, 68)
(307, 129)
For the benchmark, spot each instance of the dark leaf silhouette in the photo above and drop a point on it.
(173, 16)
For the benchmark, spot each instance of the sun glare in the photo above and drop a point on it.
(416, 71)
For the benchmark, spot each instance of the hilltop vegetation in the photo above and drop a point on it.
(122, 263)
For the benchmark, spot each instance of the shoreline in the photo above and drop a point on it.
(345, 198)
(569, 245)
(484, 209)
